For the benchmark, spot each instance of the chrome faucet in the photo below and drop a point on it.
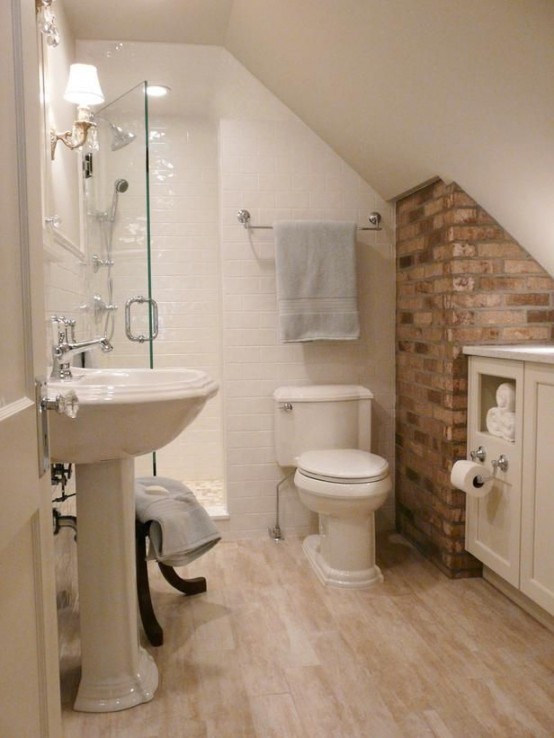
(67, 347)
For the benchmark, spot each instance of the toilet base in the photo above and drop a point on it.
(327, 575)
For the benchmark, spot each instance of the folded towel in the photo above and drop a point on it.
(501, 420)
(501, 423)
(316, 280)
(180, 529)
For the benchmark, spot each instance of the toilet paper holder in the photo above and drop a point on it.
(480, 454)
(500, 463)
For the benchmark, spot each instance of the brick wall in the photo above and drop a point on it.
(461, 279)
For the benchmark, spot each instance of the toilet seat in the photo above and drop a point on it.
(343, 466)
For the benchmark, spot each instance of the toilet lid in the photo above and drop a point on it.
(346, 466)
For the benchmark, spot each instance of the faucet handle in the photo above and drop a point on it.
(70, 324)
(57, 320)
(58, 323)
(67, 333)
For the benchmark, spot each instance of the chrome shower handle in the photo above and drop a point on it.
(154, 313)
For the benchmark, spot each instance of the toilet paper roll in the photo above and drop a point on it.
(471, 478)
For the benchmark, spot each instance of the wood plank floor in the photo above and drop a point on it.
(268, 652)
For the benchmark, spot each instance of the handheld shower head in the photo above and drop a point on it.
(120, 185)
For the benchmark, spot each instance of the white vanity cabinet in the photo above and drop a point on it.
(511, 529)
(537, 508)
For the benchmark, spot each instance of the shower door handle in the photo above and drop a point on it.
(154, 313)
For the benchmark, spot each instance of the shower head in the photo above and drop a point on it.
(120, 137)
(121, 185)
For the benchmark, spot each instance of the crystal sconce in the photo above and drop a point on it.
(47, 22)
(83, 89)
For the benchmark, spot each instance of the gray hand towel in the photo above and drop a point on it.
(316, 280)
(180, 529)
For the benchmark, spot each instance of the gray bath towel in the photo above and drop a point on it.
(180, 530)
(316, 280)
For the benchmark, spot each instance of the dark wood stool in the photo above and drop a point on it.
(152, 628)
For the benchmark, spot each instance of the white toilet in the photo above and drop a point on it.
(325, 432)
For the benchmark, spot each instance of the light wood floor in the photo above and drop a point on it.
(270, 653)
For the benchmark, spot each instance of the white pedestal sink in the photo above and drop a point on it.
(122, 413)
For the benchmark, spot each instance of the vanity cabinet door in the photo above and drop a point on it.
(537, 538)
(493, 522)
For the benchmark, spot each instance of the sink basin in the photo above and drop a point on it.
(122, 413)
(125, 412)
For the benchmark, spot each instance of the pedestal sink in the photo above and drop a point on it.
(123, 413)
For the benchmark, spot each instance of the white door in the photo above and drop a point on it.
(29, 678)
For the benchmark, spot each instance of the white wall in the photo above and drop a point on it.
(281, 170)
(269, 162)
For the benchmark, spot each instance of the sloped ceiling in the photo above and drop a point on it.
(404, 91)
(171, 21)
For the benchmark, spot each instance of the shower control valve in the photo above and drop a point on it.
(97, 262)
(286, 407)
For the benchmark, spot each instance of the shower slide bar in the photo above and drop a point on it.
(243, 217)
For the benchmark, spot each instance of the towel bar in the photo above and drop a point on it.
(243, 217)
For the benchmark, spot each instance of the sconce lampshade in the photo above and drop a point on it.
(83, 87)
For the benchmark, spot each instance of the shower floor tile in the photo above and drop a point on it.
(210, 493)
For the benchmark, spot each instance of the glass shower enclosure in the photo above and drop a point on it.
(117, 224)
(122, 302)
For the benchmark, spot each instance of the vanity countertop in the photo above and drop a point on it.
(543, 354)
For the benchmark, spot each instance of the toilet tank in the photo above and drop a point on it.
(319, 417)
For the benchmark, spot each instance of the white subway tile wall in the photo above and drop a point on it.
(279, 169)
(65, 279)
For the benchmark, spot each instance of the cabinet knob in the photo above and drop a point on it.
(479, 455)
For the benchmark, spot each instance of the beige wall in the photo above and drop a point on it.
(407, 91)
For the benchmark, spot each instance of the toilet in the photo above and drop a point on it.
(325, 432)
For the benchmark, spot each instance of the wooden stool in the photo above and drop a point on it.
(152, 628)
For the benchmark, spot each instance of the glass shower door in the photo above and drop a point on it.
(178, 157)
(116, 197)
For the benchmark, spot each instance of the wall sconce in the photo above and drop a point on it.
(83, 89)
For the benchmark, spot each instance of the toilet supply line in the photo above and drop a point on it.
(276, 532)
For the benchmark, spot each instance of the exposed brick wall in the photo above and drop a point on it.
(461, 279)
